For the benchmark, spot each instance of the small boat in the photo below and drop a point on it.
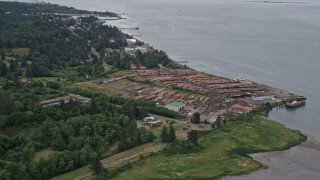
(295, 103)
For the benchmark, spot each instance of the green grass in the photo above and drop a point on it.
(179, 127)
(202, 126)
(157, 130)
(224, 152)
(121, 73)
(45, 153)
(68, 72)
(63, 75)
(43, 79)
(75, 174)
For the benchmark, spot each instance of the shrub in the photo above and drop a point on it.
(182, 147)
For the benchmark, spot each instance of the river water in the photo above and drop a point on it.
(274, 42)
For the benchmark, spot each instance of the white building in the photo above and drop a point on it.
(148, 119)
(131, 41)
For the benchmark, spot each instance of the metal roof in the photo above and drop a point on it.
(262, 98)
(176, 104)
(213, 119)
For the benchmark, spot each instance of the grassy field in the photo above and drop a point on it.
(121, 73)
(75, 174)
(224, 152)
(157, 130)
(45, 153)
(19, 52)
(96, 87)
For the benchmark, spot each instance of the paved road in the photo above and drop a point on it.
(106, 67)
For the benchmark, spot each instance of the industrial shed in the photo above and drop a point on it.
(175, 106)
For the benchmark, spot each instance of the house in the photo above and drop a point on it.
(134, 49)
(112, 40)
(213, 120)
(146, 120)
(151, 121)
(129, 50)
(175, 106)
(141, 49)
(154, 123)
(131, 41)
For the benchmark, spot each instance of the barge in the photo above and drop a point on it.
(296, 103)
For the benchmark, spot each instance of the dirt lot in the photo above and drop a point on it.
(200, 92)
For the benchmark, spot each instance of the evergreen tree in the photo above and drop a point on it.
(150, 136)
(24, 62)
(129, 109)
(7, 105)
(3, 55)
(172, 134)
(218, 121)
(123, 145)
(193, 137)
(34, 70)
(13, 66)
(58, 143)
(96, 166)
(1, 42)
(195, 119)
(3, 69)
(164, 134)
(93, 107)
(213, 125)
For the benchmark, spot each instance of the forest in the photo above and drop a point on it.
(42, 52)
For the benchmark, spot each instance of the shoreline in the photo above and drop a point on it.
(274, 119)
(136, 164)
(248, 166)
(241, 134)
(287, 160)
(211, 74)
(183, 62)
(254, 156)
(107, 22)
